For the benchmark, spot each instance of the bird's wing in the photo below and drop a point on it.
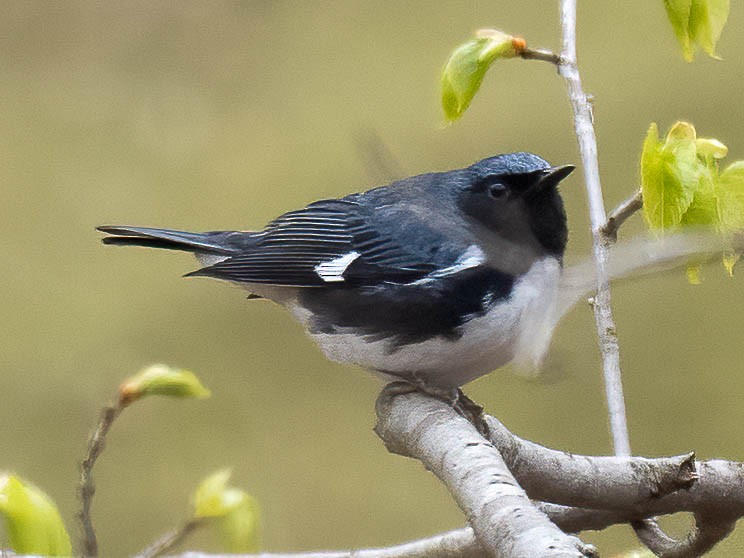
(329, 242)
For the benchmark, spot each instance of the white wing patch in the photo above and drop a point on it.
(472, 257)
(332, 271)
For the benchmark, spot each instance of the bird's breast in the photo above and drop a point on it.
(513, 325)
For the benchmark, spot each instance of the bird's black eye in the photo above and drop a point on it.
(497, 190)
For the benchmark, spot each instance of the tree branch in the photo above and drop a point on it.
(541, 54)
(624, 489)
(589, 481)
(459, 543)
(504, 520)
(700, 540)
(620, 214)
(96, 444)
(606, 329)
(172, 538)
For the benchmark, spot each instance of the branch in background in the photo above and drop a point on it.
(96, 444)
(460, 543)
(700, 540)
(606, 329)
(504, 520)
(172, 538)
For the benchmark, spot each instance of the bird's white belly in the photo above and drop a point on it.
(518, 328)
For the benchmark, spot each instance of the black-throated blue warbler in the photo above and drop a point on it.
(436, 279)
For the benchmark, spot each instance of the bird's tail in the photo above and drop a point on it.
(220, 243)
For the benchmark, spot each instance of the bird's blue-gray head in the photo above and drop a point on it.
(516, 196)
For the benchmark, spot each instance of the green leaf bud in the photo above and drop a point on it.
(160, 379)
(467, 65)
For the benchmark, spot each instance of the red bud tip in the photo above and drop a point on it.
(519, 44)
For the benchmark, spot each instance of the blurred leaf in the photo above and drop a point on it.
(209, 498)
(467, 65)
(160, 379)
(241, 528)
(697, 23)
(711, 148)
(682, 185)
(670, 172)
(694, 273)
(32, 522)
(730, 192)
(237, 513)
(678, 12)
(729, 261)
(707, 19)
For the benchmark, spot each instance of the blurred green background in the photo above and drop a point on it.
(209, 115)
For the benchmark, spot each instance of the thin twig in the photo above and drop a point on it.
(96, 444)
(172, 538)
(606, 329)
(541, 54)
(620, 214)
(460, 543)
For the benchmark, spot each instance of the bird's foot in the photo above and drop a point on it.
(471, 411)
(454, 397)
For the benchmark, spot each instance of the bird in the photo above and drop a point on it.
(435, 280)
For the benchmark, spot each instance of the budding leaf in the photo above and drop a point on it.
(32, 522)
(236, 512)
(697, 23)
(159, 379)
(467, 65)
(670, 172)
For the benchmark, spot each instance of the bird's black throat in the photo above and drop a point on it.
(549, 222)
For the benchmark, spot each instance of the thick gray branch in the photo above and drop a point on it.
(504, 520)
(564, 478)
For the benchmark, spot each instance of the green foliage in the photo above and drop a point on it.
(467, 65)
(697, 23)
(32, 522)
(160, 379)
(682, 185)
(236, 512)
(669, 175)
